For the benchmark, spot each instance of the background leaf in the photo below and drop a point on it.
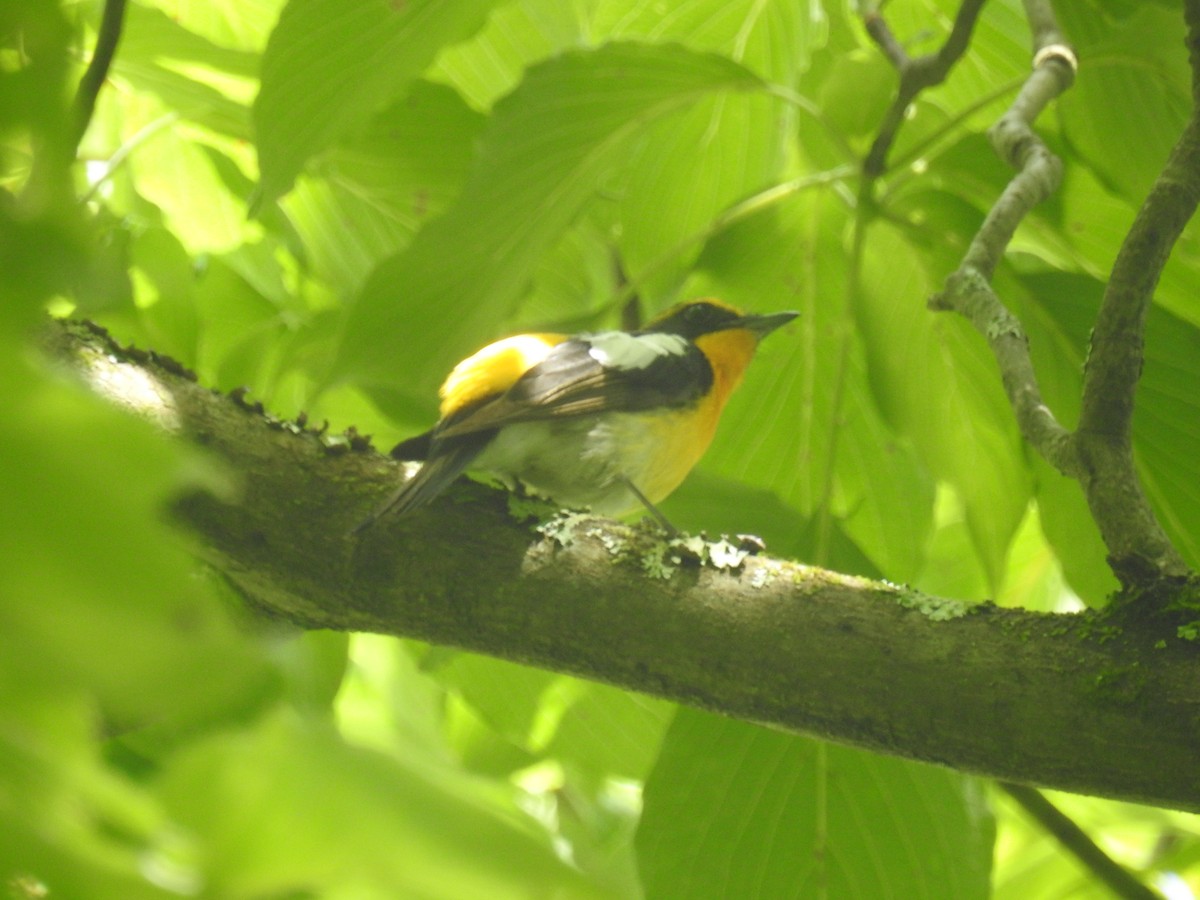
(329, 66)
(738, 810)
(550, 148)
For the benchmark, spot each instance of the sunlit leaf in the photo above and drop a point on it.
(367, 196)
(1133, 70)
(737, 810)
(937, 382)
(288, 805)
(551, 146)
(330, 65)
(723, 149)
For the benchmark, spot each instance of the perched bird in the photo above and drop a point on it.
(610, 420)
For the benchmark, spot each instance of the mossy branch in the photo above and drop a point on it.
(1076, 702)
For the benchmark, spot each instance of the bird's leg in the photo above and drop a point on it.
(662, 520)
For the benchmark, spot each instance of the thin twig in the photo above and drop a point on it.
(916, 74)
(1073, 839)
(969, 290)
(881, 34)
(97, 70)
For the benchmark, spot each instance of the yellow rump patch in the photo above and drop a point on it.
(494, 369)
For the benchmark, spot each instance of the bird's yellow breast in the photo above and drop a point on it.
(662, 448)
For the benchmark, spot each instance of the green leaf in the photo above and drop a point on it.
(937, 383)
(166, 298)
(103, 600)
(240, 24)
(370, 193)
(518, 34)
(1094, 222)
(724, 148)
(1071, 531)
(1057, 311)
(331, 65)
(71, 827)
(106, 629)
(805, 424)
(854, 94)
(694, 165)
(1133, 71)
(601, 731)
(737, 810)
(1166, 408)
(772, 38)
(551, 147)
(288, 806)
(149, 35)
(195, 78)
(181, 171)
(1166, 428)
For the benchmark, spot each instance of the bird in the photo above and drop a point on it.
(609, 421)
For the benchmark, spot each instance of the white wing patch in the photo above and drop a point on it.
(620, 350)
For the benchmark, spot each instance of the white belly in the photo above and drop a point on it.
(588, 462)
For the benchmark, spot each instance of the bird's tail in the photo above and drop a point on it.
(446, 461)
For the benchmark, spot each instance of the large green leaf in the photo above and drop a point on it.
(369, 193)
(104, 628)
(330, 65)
(241, 24)
(734, 810)
(805, 424)
(194, 78)
(519, 33)
(938, 385)
(721, 150)
(182, 172)
(1166, 428)
(150, 35)
(601, 731)
(1057, 311)
(1133, 70)
(103, 600)
(1094, 222)
(552, 145)
(288, 806)
(694, 165)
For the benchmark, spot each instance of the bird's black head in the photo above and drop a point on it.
(693, 318)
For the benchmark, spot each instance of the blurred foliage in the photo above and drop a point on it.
(332, 202)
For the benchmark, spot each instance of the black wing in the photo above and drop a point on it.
(571, 381)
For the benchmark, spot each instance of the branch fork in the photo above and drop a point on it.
(1099, 453)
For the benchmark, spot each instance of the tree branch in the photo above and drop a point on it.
(1073, 838)
(1114, 365)
(1099, 454)
(1076, 702)
(93, 78)
(969, 289)
(916, 74)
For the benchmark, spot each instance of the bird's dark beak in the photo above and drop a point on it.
(761, 326)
